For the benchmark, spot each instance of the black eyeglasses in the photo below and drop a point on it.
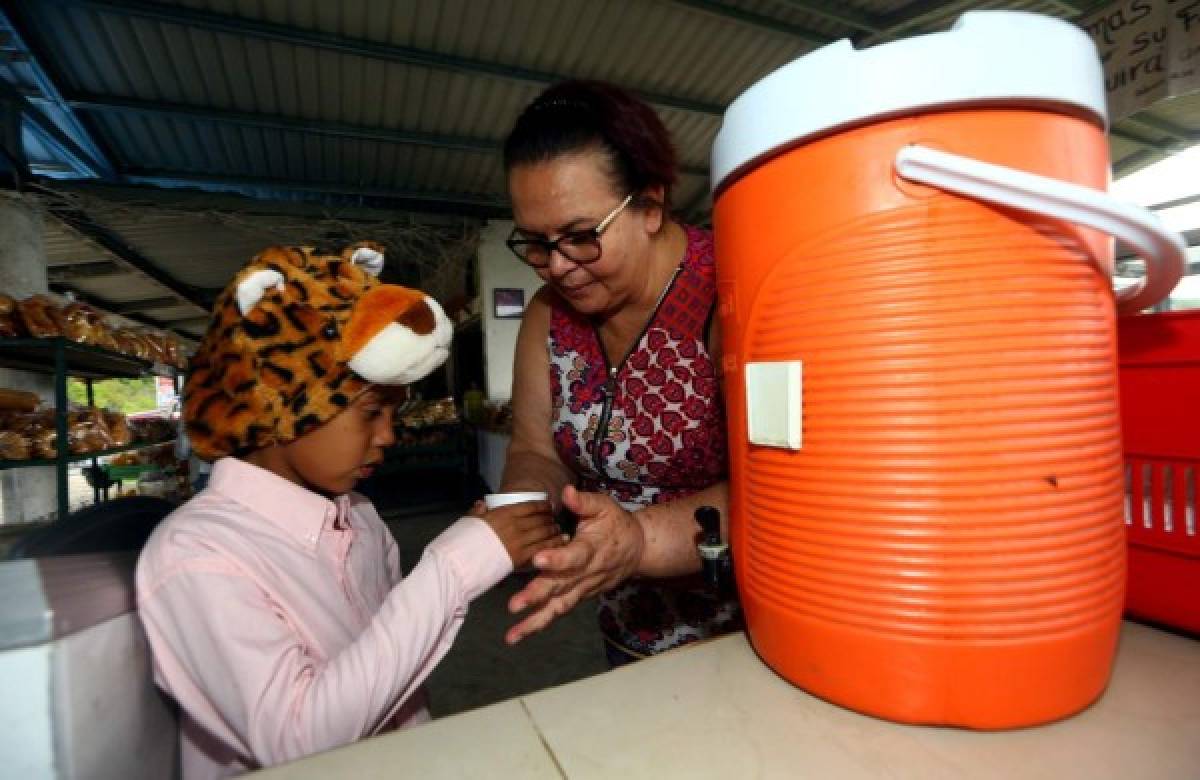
(578, 246)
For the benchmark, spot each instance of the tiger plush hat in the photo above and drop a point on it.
(295, 337)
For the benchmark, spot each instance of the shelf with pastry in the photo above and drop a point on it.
(37, 335)
(29, 434)
(31, 330)
(80, 360)
(80, 456)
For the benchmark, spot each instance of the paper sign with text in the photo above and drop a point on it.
(1150, 50)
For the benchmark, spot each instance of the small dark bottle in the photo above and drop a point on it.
(714, 553)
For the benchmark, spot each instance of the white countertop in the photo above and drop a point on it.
(715, 710)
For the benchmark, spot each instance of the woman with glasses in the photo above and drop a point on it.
(617, 411)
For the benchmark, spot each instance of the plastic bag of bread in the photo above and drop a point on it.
(141, 345)
(10, 320)
(81, 323)
(158, 350)
(17, 400)
(174, 352)
(118, 429)
(105, 337)
(125, 342)
(36, 427)
(40, 316)
(87, 431)
(44, 442)
(14, 446)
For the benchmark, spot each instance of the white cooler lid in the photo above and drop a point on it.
(988, 56)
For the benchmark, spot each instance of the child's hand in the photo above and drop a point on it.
(523, 528)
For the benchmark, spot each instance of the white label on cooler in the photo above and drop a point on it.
(774, 403)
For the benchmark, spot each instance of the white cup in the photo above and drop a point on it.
(495, 500)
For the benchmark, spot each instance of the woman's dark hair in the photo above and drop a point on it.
(573, 116)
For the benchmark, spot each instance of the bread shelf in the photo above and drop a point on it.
(80, 456)
(62, 358)
(83, 360)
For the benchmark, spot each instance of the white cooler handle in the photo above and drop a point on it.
(1163, 249)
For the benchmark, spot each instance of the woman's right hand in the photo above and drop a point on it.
(523, 528)
(605, 551)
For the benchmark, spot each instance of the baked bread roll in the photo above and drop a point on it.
(17, 400)
(14, 446)
(81, 323)
(40, 316)
(118, 429)
(10, 326)
(43, 442)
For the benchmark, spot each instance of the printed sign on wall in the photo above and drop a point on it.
(1150, 50)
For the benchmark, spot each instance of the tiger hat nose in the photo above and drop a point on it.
(418, 318)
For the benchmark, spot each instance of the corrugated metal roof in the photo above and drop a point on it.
(406, 99)
(65, 247)
(150, 60)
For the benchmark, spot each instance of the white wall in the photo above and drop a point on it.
(499, 268)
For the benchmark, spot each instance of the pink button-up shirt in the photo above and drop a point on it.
(279, 621)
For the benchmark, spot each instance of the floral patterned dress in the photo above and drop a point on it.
(647, 430)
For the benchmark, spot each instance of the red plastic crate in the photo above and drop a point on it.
(1159, 357)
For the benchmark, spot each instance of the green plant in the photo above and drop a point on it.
(123, 395)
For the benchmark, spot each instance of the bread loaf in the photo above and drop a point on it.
(10, 326)
(43, 441)
(17, 400)
(80, 323)
(40, 317)
(14, 446)
(118, 429)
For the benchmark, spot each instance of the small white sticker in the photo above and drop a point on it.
(774, 403)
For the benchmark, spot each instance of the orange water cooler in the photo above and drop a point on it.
(914, 249)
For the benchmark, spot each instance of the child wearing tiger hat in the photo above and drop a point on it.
(273, 600)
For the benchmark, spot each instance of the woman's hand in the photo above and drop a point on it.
(605, 551)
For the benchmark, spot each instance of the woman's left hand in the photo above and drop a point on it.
(605, 551)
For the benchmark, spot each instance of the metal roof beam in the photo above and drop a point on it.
(151, 196)
(768, 23)
(79, 142)
(190, 321)
(407, 55)
(96, 270)
(120, 105)
(108, 306)
(1170, 204)
(333, 193)
(76, 157)
(82, 224)
(912, 15)
(922, 12)
(1167, 128)
(1135, 161)
(146, 304)
(1141, 140)
(838, 12)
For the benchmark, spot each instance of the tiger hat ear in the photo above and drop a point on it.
(368, 259)
(250, 291)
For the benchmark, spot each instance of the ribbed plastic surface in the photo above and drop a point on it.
(960, 442)
(947, 546)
